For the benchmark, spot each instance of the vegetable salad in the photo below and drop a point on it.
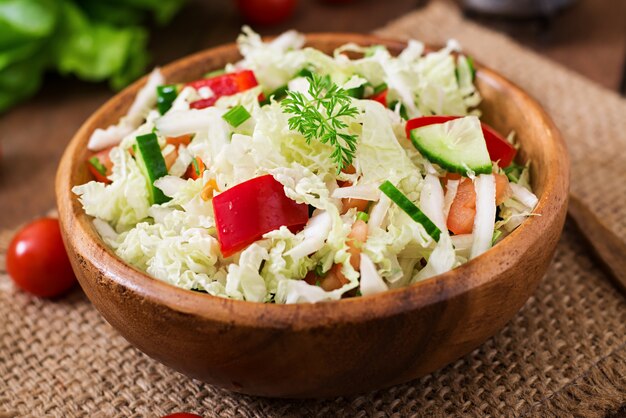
(295, 176)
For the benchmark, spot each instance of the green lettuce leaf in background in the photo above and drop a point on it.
(94, 40)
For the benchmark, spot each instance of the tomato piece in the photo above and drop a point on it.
(380, 97)
(195, 169)
(266, 12)
(463, 208)
(223, 85)
(499, 148)
(333, 279)
(356, 239)
(100, 165)
(37, 261)
(177, 141)
(311, 278)
(248, 210)
(361, 205)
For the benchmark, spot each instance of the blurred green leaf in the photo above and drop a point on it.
(9, 56)
(25, 20)
(19, 81)
(131, 12)
(95, 40)
(98, 51)
(162, 10)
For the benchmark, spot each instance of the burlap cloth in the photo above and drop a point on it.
(564, 354)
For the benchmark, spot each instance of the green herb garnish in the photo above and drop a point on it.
(323, 117)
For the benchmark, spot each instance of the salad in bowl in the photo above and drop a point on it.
(295, 176)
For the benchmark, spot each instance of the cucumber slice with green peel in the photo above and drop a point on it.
(152, 164)
(457, 145)
(410, 209)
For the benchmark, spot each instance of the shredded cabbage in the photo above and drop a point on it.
(177, 241)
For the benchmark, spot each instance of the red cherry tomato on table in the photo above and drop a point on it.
(266, 12)
(37, 262)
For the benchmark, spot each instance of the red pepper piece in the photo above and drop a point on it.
(499, 148)
(380, 97)
(245, 212)
(223, 85)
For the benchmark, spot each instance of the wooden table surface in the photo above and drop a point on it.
(589, 37)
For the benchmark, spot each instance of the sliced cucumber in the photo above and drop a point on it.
(457, 145)
(409, 207)
(151, 161)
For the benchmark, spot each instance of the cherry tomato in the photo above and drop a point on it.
(182, 415)
(37, 261)
(266, 12)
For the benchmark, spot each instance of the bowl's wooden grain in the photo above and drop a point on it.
(326, 349)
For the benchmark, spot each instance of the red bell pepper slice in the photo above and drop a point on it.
(380, 97)
(248, 210)
(223, 85)
(499, 149)
(100, 165)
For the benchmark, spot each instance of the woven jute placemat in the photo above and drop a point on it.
(564, 354)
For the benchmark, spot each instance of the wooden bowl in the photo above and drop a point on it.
(334, 348)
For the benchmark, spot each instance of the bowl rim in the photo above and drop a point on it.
(306, 315)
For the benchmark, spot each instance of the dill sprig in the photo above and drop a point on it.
(322, 117)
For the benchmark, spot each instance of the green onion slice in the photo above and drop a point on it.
(166, 95)
(413, 211)
(95, 162)
(236, 116)
(362, 216)
(196, 168)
